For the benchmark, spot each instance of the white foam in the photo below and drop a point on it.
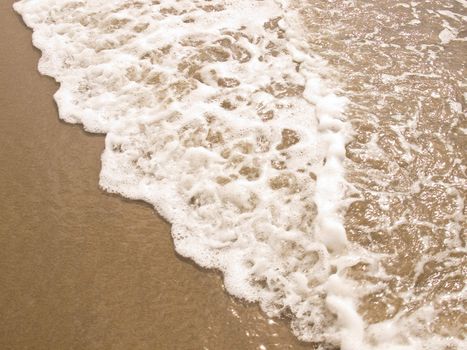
(218, 114)
(447, 35)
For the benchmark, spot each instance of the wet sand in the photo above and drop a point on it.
(83, 269)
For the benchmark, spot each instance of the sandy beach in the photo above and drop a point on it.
(82, 269)
(314, 152)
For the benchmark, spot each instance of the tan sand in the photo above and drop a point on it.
(82, 269)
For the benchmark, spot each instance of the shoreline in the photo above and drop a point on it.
(85, 269)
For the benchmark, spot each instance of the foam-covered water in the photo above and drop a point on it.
(405, 68)
(221, 115)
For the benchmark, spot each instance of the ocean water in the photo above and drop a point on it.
(312, 151)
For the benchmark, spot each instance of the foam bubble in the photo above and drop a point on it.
(218, 114)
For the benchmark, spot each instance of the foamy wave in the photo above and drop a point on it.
(217, 114)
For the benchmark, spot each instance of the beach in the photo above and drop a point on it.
(83, 269)
(233, 175)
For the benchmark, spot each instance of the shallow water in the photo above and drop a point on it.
(231, 119)
(404, 67)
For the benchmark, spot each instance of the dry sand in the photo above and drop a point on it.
(82, 269)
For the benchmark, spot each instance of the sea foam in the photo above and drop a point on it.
(218, 114)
